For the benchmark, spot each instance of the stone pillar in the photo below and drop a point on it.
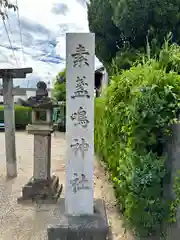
(172, 231)
(8, 92)
(9, 127)
(42, 157)
(83, 218)
(41, 187)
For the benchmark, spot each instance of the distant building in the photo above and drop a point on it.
(101, 79)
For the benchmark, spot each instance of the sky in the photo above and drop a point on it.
(44, 24)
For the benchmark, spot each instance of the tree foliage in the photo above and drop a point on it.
(123, 26)
(59, 91)
(108, 37)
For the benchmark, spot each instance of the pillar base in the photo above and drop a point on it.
(41, 191)
(93, 227)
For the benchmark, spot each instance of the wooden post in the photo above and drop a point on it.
(7, 75)
(80, 58)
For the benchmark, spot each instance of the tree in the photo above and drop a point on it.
(123, 26)
(141, 18)
(4, 5)
(59, 91)
(108, 36)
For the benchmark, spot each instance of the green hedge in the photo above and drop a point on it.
(22, 115)
(99, 133)
(131, 125)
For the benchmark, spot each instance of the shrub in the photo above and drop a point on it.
(99, 123)
(131, 126)
(22, 115)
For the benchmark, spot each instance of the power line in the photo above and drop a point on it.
(21, 39)
(10, 41)
(7, 18)
(20, 31)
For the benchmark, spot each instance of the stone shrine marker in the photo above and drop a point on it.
(80, 123)
(83, 218)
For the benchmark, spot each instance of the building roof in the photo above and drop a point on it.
(100, 69)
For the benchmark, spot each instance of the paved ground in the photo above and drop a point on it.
(27, 222)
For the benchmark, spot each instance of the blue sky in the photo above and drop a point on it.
(44, 24)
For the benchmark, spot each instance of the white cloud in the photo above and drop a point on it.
(60, 8)
(44, 25)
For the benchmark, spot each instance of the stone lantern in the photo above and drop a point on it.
(41, 186)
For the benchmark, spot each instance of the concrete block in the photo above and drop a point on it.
(94, 227)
